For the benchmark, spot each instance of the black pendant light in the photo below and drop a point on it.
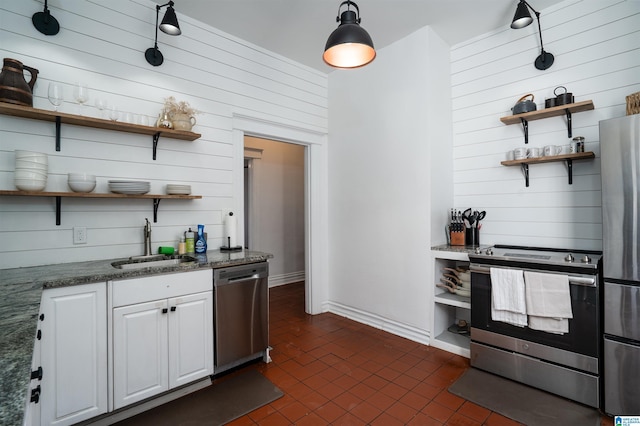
(521, 19)
(44, 22)
(169, 26)
(349, 45)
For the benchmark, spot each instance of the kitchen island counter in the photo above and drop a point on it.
(20, 295)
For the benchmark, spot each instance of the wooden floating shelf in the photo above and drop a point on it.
(567, 158)
(59, 118)
(59, 195)
(548, 112)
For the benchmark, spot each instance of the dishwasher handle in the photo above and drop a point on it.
(244, 278)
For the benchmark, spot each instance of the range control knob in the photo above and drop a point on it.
(586, 259)
(569, 258)
(489, 252)
(477, 250)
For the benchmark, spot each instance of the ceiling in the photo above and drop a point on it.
(298, 29)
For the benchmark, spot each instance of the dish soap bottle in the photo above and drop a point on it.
(189, 241)
(201, 242)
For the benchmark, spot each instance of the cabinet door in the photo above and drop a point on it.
(190, 338)
(74, 354)
(140, 356)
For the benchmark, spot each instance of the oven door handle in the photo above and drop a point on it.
(583, 281)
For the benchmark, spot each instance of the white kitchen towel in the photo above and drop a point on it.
(548, 301)
(508, 302)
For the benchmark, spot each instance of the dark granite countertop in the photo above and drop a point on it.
(20, 294)
(457, 249)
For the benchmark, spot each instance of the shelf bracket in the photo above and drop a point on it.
(569, 130)
(570, 170)
(58, 205)
(57, 133)
(525, 127)
(156, 137)
(156, 203)
(525, 171)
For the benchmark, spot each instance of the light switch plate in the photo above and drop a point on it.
(79, 235)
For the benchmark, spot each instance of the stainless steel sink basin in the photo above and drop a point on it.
(154, 261)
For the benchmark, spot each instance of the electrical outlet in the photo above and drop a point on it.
(79, 235)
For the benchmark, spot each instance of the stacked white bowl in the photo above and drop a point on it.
(81, 182)
(31, 170)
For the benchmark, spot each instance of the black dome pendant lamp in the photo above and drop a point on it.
(169, 26)
(521, 19)
(349, 45)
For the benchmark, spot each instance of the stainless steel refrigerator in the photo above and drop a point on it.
(620, 169)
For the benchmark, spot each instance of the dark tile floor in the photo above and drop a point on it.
(340, 372)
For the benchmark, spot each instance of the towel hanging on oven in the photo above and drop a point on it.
(508, 302)
(548, 302)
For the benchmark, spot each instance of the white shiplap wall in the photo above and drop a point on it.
(103, 44)
(597, 57)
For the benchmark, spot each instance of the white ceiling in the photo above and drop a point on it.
(298, 29)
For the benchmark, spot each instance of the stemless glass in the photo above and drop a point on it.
(55, 95)
(81, 94)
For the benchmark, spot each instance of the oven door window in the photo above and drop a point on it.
(583, 327)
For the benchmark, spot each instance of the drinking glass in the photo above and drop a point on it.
(55, 95)
(81, 94)
(113, 113)
(101, 104)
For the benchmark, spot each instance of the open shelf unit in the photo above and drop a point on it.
(58, 118)
(556, 111)
(567, 158)
(59, 195)
(448, 308)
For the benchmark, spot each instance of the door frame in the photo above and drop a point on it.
(315, 193)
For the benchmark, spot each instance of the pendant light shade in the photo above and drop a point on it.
(169, 23)
(169, 26)
(44, 22)
(349, 45)
(521, 19)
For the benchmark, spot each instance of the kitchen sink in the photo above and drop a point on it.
(154, 261)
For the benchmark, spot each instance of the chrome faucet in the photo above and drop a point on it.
(147, 238)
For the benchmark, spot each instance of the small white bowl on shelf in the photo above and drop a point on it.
(81, 182)
(30, 184)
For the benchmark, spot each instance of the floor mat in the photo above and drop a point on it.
(217, 404)
(521, 403)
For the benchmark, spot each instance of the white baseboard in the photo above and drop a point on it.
(394, 327)
(288, 278)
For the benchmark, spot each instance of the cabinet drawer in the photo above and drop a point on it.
(138, 290)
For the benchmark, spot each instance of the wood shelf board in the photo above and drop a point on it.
(548, 112)
(449, 341)
(577, 156)
(97, 195)
(98, 123)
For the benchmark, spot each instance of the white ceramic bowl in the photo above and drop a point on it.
(81, 186)
(30, 165)
(30, 184)
(81, 177)
(30, 174)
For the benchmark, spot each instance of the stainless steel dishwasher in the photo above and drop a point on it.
(241, 314)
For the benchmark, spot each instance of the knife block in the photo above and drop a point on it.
(457, 238)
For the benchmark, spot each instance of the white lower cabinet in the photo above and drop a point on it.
(73, 353)
(162, 334)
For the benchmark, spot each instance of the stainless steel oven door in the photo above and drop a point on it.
(584, 328)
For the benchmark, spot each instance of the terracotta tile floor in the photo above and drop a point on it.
(337, 371)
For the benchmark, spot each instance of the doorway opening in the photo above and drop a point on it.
(274, 206)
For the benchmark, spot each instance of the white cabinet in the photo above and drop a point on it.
(449, 308)
(162, 333)
(73, 353)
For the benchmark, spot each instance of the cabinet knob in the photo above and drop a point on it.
(35, 395)
(165, 310)
(173, 309)
(37, 374)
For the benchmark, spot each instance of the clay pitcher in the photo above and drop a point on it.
(14, 89)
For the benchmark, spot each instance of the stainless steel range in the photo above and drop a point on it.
(566, 364)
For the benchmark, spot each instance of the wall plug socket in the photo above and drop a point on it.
(79, 235)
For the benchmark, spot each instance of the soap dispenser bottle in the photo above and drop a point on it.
(190, 241)
(201, 242)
